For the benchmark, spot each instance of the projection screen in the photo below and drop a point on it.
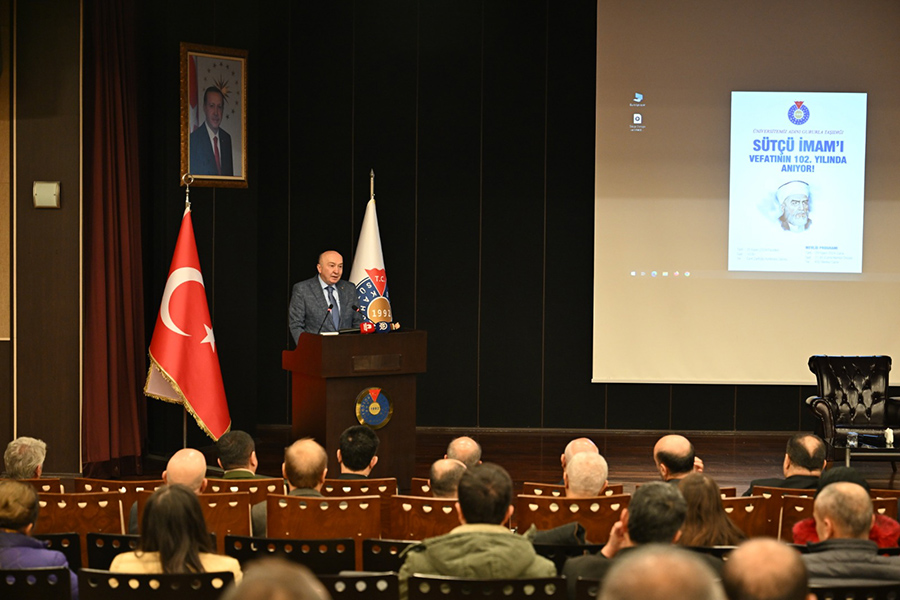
(688, 289)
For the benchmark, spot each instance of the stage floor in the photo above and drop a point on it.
(732, 459)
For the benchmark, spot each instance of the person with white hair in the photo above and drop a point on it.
(24, 458)
(793, 197)
(586, 475)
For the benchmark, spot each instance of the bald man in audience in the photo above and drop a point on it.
(844, 515)
(765, 569)
(576, 446)
(659, 572)
(675, 459)
(445, 476)
(305, 467)
(465, 450)
(804, 460)
(585, 475)
(186, 467)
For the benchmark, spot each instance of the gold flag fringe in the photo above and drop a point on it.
(181, 399)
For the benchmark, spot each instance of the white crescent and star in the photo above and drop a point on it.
(178, 277)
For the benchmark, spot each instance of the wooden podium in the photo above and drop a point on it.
(328, 373)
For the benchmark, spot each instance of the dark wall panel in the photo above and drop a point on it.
(570, 399)
(755, 407)
(512, 237)
(272, 69)
(704, 407)
(320, 113)
(448, 205)
(384, 137)
(47, 241)
(638, 406)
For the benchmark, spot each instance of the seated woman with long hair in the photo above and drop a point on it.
(174, 538)
(706, 523)
(18, 550)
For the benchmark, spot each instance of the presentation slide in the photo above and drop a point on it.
(797, 182)
(747, 189)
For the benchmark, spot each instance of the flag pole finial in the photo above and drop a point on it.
(372, 184)
(187, 179)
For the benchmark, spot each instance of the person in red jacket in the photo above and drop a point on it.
(885, 532)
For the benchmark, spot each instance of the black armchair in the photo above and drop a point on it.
(852, 396)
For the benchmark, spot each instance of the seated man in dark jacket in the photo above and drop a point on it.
(804, 459)
(843, 513)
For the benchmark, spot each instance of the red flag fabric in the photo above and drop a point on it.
(184, 366)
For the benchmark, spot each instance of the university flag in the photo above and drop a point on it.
(368, 273)
(184, 366)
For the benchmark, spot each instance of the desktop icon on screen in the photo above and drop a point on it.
(638, 97)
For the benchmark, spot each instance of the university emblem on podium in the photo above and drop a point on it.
(798, 114)
(373, 408)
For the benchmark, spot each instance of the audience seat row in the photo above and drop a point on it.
(52, 583)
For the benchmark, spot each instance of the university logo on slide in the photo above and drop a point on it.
(798, 113)
(373, 295)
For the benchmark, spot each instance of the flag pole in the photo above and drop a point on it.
(372, 184)
(187, 179)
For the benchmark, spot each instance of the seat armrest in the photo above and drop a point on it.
(822, 409)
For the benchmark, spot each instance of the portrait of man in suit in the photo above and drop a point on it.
(324, 303)
(210, 144)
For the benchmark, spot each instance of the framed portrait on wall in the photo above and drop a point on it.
(214, 115)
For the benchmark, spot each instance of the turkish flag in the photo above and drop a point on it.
(184, 366)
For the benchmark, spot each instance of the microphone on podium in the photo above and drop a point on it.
(379, 327)
(327, 314)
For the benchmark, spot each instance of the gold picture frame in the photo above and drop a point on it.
(214, 115)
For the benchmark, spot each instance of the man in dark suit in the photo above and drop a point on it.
(675, 459)
(210, 144)
(310, 300)
(804, 459)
